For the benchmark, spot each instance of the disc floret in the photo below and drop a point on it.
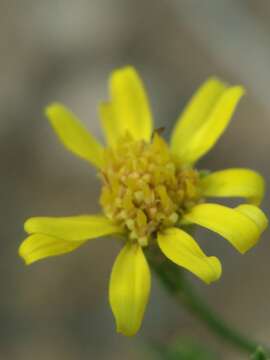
(145, 188)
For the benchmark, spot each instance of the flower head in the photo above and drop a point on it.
(150, 189)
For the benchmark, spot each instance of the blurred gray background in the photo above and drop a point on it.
(65, 50)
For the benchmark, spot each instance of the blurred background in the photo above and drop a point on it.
(65, 50)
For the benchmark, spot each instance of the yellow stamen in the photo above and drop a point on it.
(145, 188)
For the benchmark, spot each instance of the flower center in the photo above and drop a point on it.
(145, 188)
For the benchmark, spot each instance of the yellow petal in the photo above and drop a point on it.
(73, 228)
(204, 120)
(182, 249)
(234, 183)
(39, 246)
(195, 112)
(255, 214)
(73, 134)
(109, 123)
(130, 104)
(234, 225)
(129, 289)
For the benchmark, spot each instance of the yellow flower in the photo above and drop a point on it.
(151, 189)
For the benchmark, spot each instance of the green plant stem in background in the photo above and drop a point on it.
(174, 281)
(259, 354)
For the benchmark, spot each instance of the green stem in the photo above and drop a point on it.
(174, 281)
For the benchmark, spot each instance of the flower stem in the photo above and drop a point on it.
(174, 281)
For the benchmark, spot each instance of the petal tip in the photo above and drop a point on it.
(52, 108)
(239, 90)
(125, 331)
(126, 68)
(217, 269)
(26, 261)
(20, 252)
(28, 225)
(214, 79)
(22, 255)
